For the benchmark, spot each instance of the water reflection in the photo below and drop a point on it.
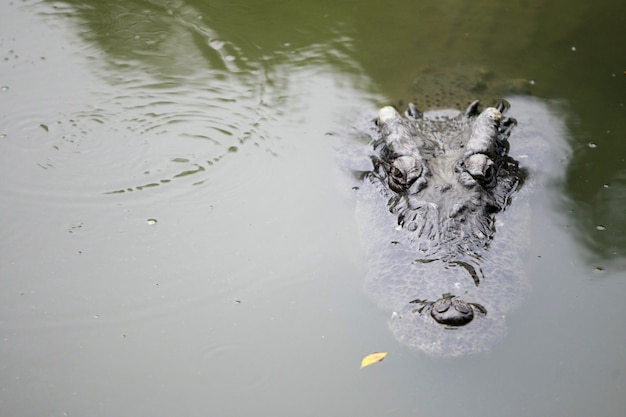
(173, 77)
(210, 119)
(112, 131)
(190, 84)
(601, 221)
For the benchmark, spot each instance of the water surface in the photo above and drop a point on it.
(179, 238)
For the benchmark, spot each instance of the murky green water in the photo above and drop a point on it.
(179, 239)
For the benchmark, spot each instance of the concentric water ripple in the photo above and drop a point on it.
(116, 165)
(139, 131)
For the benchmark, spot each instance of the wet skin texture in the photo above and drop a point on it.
(445, 179)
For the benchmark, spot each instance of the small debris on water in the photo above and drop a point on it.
(75, 227)
(216, 44)
(151, 221)
(592, 145)
(373, 358)
(600, 227)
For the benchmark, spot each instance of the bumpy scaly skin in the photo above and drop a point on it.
(444, 180)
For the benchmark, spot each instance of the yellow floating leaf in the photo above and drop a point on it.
(373, 358)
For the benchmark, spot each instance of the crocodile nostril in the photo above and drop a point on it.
(460, 315)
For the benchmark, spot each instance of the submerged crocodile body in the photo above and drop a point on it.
(434, 198)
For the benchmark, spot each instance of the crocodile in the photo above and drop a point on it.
(445, 256)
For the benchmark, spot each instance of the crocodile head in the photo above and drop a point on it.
(445, 179)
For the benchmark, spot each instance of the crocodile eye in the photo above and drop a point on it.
(488, 175)
(396, 173)
(403, 172)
